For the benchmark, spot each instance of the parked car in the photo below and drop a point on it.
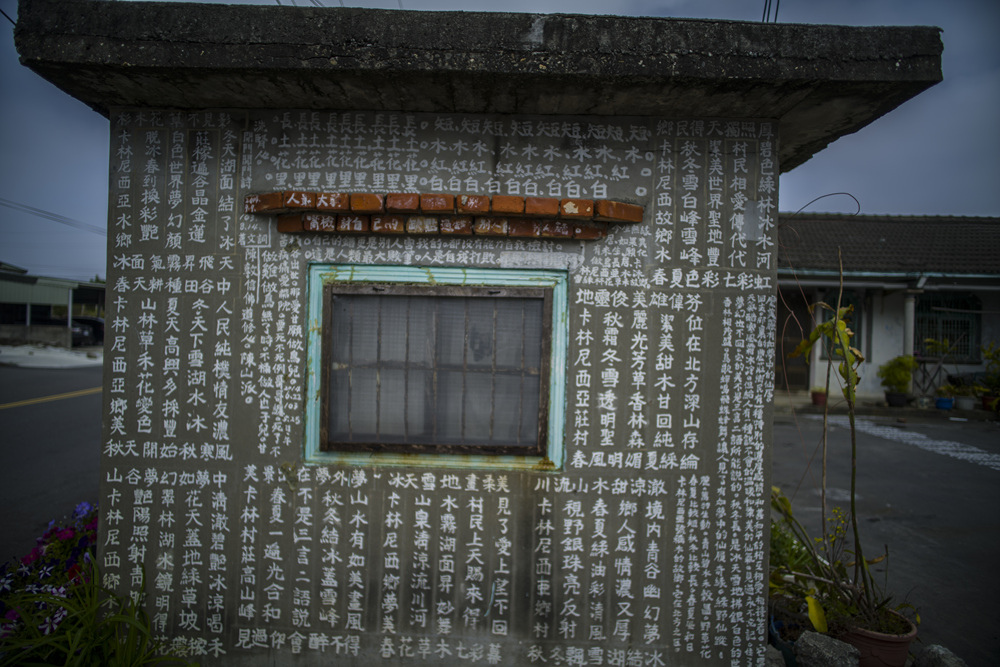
(96, 325)
(83, 333)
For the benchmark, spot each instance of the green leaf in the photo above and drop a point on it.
(816, 614)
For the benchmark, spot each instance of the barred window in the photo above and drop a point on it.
(436, 366)
(445, 369)
(952, 317)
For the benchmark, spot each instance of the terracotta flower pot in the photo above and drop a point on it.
(818, 397)
(879, 649)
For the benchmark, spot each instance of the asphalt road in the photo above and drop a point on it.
(49, 451)
(930, 491)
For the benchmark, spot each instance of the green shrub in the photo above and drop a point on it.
(897, 372)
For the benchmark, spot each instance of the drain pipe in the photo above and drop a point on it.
(909, 321)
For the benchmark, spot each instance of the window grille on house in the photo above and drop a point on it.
(952, 317)
(435, 368)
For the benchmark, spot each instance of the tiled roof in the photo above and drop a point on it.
(887, 244)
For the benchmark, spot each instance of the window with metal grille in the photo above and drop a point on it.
(445, 368)
(951, 321)
(420, 366)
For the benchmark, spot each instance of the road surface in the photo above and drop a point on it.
(49, 448)
(930, 491)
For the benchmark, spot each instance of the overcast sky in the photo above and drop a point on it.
(938, 154)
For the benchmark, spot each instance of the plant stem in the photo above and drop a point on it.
(826, 428)
(860, 566)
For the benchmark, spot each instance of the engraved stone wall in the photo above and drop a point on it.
(646, 547)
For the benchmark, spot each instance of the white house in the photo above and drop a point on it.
(910, 278)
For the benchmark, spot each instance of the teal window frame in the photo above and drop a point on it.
(322, 274)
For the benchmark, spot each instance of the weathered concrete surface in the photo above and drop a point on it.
(821, 82)
(936, 655)
(815, 650)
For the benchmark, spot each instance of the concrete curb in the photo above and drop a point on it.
(42, 356)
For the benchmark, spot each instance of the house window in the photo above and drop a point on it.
(951, 317)
(434, 366)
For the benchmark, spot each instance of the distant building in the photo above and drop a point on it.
(33, 308)
(909, 278)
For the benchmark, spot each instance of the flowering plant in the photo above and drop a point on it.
(57, 560)
(53, 609)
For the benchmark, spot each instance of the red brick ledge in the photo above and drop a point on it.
(442, 214)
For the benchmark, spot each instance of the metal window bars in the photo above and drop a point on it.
(439, 369)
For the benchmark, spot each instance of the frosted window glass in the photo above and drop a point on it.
(529, 415)
(392, 328)
(363, 416)
(364, 330)
(446, 369)
(420, 329)
(451, 332)
(448, 408)
(480, 336)
(391, 415)
(510, 333)
(507, 404)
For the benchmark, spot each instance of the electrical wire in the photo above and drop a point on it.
(830, 194)
(55, 217)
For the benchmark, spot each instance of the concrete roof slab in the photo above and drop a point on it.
(819, 82)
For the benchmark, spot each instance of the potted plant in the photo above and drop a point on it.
(991, 381)
(818, 395)
(896, 375)
(965, 396)
(812, 587)
(828, 580)
(945, 397)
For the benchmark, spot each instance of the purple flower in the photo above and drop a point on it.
(48, 625)
(82, 510)
(58, 591)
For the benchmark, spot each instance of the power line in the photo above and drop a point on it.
(49, 215)
(767, 11)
